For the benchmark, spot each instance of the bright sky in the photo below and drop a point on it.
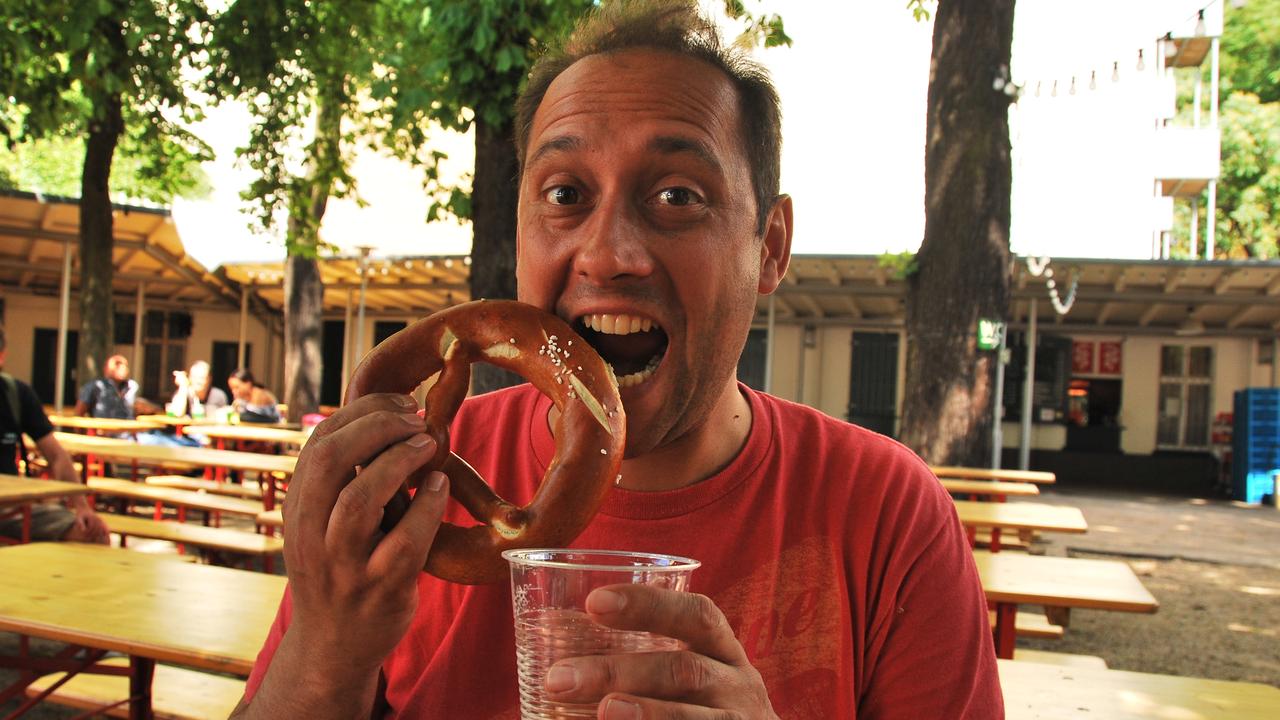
(853, 90)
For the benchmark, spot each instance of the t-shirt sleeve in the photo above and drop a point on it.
(87, 393)
(936, 657)
(34, 422)
(268, 651)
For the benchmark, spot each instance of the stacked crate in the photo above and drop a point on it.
(1256, 440)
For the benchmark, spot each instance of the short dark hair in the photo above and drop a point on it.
(677, 27)
(244, 375)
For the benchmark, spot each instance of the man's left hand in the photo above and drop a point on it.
(711, 676)
(90, 527)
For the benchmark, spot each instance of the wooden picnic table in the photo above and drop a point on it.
(24, 491)
(1018, 516)
(149, 607)
(94, 425)
(997, 490)
(968, 473)
(1012, 578)
(253, 433)
(1037, 691)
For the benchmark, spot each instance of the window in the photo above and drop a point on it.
(164, 349)
(1185, 401)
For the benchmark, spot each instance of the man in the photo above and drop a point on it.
(114, 395)
(836, 580)
(77, 522)
(195, 395)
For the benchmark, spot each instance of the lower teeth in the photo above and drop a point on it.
(636, 378)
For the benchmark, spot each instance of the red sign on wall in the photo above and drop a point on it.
(1110, 358)
(1081, 357)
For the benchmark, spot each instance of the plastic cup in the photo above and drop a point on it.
(549, 590)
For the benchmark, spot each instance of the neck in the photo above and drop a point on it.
(697, 455)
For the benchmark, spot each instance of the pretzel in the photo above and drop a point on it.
(590, 430)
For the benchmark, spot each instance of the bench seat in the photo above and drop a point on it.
(1046, 657)
(183, 482)
(1033, 624)
(209, 538)
(176, 693)
(177, 498)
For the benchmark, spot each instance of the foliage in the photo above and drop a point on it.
(1251, 49)
(53, 165)
(920, 9)
(901, 265)
(1248, 217)
(63, 62)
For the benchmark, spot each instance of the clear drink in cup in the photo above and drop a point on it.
(549, 590)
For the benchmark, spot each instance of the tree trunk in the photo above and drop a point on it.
(303, 315)
(963, 263)
(495, 189)
(97, 269)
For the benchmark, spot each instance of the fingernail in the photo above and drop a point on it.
(419, 440)
(435, 481)
(562, 678)
(411, 418)
(405, 401)
(605, 601)
(615, 709)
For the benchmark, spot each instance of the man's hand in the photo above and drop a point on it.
(354, 589)
(88, 526)
(711, 678)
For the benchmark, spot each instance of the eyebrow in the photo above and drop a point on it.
(675, 144)
(563, 144)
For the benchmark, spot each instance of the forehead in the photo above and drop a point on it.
(631, 94)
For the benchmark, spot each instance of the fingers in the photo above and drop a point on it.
(403, 552)
(678, 675)
(358, 508)
(624, 707)
(688, 617)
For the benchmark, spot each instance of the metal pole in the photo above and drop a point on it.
(768, 347)
(1275, 362)
(1195, 228)
(1195, 119)
(364, 286)
(997, 411)
(1028, 387)
(139, 306)
(346, 345)
(244, 319)
(1211, 211)
(64, 312)
(1213, 85)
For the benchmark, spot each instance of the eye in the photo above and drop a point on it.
(562, 195)
(678, 196)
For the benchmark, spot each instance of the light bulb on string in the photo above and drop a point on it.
(1142, 65)
(1170, 46)
(1115, 71)
(1093, 79)
(1073, 85)
(1054, 91)
(1037, 88)
(1200, 29)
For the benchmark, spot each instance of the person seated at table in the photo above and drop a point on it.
(252, 402)
(195, 396)
(114, 395)
(21, 413)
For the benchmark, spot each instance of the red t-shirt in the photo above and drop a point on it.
(835, 554)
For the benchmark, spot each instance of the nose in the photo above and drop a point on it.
(614, 246)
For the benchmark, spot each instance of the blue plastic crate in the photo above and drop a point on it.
(1257, 485)
(1256, 443)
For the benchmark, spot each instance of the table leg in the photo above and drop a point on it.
(995, 539)
(1006, 630)
(26, 523)
(141, 672)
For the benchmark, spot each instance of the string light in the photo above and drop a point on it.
(1142, 65)
(1093, 79)
(1054, 92)
(1073, 84)
(1115, 71)
(1037, 88)
(1200, 29)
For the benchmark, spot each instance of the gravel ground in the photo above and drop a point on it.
(1213, 565)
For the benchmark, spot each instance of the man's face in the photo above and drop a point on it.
(118, 370)
(637, 225)
(199, 378)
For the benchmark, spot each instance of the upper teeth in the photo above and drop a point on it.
(617, 324)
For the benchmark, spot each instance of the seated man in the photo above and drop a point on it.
(196, 396)
(114, 395)
(21, 413)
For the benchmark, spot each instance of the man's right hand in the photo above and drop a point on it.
(354, 589)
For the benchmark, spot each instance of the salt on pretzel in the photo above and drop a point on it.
(590, 431)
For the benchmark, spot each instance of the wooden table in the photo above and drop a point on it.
(997, 490)
(177, 422)
(1012, 578)
(1035, 691)
(149, 607)
(94, 425)
(1018, 516)
(23, 491)
(253, 433)
(968, 473)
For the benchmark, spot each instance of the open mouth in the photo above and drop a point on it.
(632, 345)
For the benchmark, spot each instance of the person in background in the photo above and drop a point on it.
(195, 397)
(21, 413)
(114, 395)
(252, 402)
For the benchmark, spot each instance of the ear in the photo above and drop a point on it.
(775, 250)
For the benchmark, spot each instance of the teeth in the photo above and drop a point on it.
(636, 378)
(611, 324)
